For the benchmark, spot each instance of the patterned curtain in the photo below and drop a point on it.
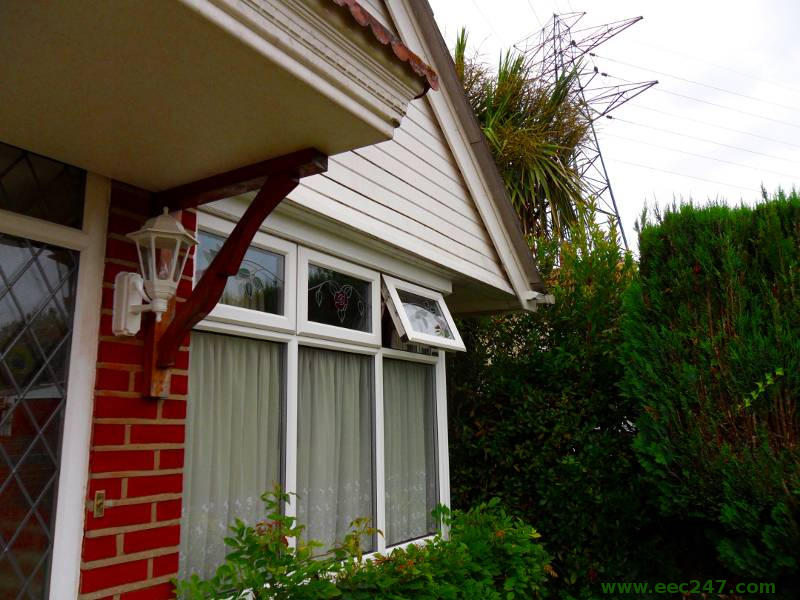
(233, 442)
(409, 449)
(334, 449)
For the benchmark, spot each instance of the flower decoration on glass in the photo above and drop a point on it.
(340, 295)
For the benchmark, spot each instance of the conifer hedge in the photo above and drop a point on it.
(711, 352)
(536, 418)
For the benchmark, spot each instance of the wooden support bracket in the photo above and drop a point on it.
(282, 176)
(239, 181)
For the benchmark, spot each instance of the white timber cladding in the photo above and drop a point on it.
(409, 192)
(457, 136)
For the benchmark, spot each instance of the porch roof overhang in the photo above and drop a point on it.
(159, 94)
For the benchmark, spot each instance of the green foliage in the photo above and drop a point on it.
(712, 354)
(488, 555)
(537, 420)
(533, 129)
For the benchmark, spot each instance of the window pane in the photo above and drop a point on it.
(424, 314)
(37, 300)
(409, 449)
(233, 442)
(334, 443)
(258, 284)
(390, 338)
(39, 187)
(338, 299)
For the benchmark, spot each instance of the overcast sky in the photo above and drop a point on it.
(749, 48)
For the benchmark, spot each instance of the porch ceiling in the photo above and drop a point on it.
(159, 93)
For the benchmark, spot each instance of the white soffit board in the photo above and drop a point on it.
(159, 93)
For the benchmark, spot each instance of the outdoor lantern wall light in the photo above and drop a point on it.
(163, 246)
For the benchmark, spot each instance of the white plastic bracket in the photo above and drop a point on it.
(129, 298)
(538, 297)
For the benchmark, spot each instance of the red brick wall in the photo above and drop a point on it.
(137, 444)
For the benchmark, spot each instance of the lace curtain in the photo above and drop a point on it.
(233, 442)
(409, 449)
(334, 443)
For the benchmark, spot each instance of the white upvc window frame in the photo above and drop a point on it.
(332, 332)
(390, 287)
(319, 335)
(248, 317)
(442, 462)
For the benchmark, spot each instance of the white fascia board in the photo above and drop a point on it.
(295, 37)
(458, 140)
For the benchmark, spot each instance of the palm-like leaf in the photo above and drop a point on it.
(533, 129)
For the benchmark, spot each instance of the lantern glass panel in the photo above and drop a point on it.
(166, 251)
(145, 258)
(184, 249)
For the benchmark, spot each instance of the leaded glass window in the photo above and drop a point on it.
(259, 283)
(338, 299)
(40, 187)
(37, 301)
(424, 315)
(420, 315)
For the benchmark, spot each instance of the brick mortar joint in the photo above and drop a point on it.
(127, 587)
(96, 533)
(135, 473)
(144, 446)
(138, 421)
(134, 500)
(117, 366)
(126, 558)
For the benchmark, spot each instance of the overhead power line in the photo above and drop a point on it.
(706, 123)
(488, 22)
(694, 58)
(703, 156)
(698, 83)
(700, 139)
(641, 166)
(533, 10)
(693, 99)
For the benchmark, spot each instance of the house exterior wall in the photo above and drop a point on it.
(409, 191)
(136, 453)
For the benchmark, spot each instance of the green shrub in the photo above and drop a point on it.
(488, 555)
(536, 419)
(712, 353)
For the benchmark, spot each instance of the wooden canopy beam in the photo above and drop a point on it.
(284, 174)
(239, 181)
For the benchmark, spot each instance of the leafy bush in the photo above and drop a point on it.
(712, 353)
(536, 418)
(488, 555)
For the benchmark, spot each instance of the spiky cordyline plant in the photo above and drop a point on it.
(533, 128)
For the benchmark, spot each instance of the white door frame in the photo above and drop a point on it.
(74, 458)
